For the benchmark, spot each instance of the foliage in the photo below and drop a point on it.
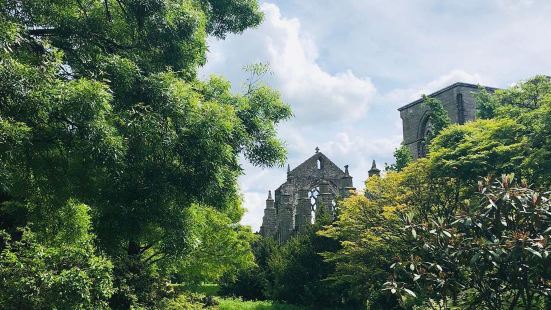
(63, 271)
(446, 249)
(293, 272)
(402, 157)
(298, 271)
(529, 104)
(482, 147)
(189, 301)
(438, 117)
(496, 252)
(101, 105)
(366, 231)
(220, 246)
(517, 100)
(251, 283)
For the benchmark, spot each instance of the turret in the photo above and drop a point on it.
(374, 170)
(346, 186)
(269, 221)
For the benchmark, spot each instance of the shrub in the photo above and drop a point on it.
(37, 276)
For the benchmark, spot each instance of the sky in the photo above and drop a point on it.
(345, 66)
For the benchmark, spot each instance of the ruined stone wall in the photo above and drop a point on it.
(292, 203)
(458, 100)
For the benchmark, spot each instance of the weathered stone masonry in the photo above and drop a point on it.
(311, 188)
(458, 99)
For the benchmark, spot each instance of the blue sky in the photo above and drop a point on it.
(345, 67)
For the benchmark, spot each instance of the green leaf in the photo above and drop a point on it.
(534, 252)
(410, 292)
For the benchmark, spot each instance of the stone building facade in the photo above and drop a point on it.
(312, 187)
(458, 99)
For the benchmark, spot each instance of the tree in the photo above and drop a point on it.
(366, 230)
(402, 157)
(298, 272)
(219, 246)
(101, 105)
(252, 283)
(528, 103)
(482, 147)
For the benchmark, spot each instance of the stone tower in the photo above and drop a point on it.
(458, 99)
(374, 170)
(270, 217)
(312, 187)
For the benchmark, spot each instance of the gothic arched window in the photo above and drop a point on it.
(313, 195)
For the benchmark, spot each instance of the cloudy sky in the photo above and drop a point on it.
(345, 66)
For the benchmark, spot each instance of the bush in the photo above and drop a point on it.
(37, 276)
(490, 255)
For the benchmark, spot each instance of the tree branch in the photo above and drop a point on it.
(42, 32)
(106, 5)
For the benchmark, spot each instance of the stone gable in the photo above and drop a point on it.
(313, 185)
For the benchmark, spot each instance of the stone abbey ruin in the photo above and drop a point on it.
(311, 188)
(315, 185)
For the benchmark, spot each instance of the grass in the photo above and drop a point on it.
(237, 304)
(233, 303)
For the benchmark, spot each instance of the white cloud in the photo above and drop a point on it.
(448, 79)
(314, 94)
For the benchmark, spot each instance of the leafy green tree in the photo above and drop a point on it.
(101, 105)
(220, 246)
(482, 147)
(366, 229)
(298, 271)
(527, 103)
(252, 283)
(402, 157)
(517, 100)
(372, 236)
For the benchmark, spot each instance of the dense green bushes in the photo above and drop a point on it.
(448, 237)
(59, 266)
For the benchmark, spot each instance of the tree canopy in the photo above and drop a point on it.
(101, 105)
